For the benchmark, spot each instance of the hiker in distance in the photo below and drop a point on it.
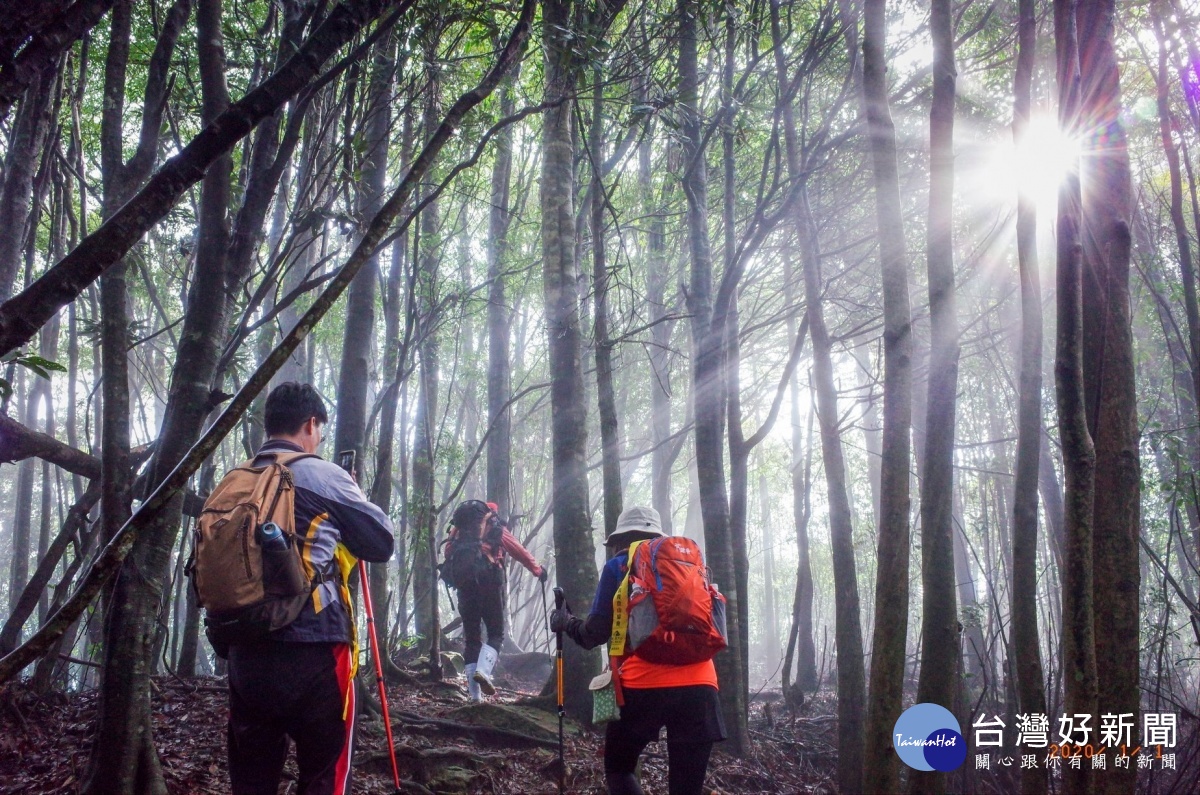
(682, 696)
(274, 547)
(473, 564)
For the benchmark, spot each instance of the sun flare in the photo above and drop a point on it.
(1036, 165)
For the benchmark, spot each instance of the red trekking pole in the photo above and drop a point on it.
(387, 721)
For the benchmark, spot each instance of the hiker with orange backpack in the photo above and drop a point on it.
(474, 555)
(663, 622)
(274, 546)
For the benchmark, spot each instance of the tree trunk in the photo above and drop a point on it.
(123, 755)
(610, 431)
(422, 507)
(709, 384)
(499, 443)
(941, 646)
(575, 556)
(1031, 695)
(354, 375)
(1109, 373)
(664, 452)
(1079, 455)
(880, 770)
(800, 638)
(123, 724)
(851, 696)
(27, 139)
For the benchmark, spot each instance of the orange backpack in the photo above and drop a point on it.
(675, 615)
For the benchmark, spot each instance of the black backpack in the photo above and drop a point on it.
(465, 563)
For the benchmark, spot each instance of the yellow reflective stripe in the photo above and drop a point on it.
(346, 564)
(306, 557)
(620, 622)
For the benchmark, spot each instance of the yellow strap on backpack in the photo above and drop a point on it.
(620, 622)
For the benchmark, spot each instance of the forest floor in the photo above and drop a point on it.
(44, 743)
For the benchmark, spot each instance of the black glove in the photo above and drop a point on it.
(560, 619)
(544, 576)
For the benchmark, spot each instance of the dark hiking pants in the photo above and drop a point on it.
(482, 602)
(692, 718)
(298, 690)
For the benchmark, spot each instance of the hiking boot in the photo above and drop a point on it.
(472, 685)
(483, 669)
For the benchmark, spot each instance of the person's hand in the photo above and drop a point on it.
(559, 618)
(543, 575)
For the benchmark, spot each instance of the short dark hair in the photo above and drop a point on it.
(290, 405)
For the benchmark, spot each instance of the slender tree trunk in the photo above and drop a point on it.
(707, 376)
(1109, 374)
(22, 520)
(610, 431)
(123, 723)
(880, 763)
(499, 444)
(1079, 455)
(851, 695)
(1031, 695)
(354, 375)
(800, 638)
(25, 144)
(662, 456)
(575, 557)
(941, 646)
(423, 504)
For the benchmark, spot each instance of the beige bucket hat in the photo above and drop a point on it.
(635, 524)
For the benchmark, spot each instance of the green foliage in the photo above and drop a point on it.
(38, 365)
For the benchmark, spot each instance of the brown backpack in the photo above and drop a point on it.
(247, 589)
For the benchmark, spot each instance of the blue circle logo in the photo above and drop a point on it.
(928, 737)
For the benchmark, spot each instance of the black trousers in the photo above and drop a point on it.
(297, 690)
(692, 718)
(482, 602)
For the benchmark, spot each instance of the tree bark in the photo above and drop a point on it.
(1031, 694)
(423, 505)
(664, 453)
(499, 378)
(1079, 455)
(880, 763)
(1109, 373)
(575, 562)
(25, 144)
(42, 45)
(941, 646)
(354, 376)
(610, 430)
(851, 695)
(708, 380)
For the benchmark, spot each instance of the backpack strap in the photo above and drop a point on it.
(286, 457)
(620, 622)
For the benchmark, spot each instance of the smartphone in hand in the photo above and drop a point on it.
(346, 459)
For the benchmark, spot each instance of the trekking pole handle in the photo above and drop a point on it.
(560, 598)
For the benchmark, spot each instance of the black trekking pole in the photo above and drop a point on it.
(560, 599)
(383, 703)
